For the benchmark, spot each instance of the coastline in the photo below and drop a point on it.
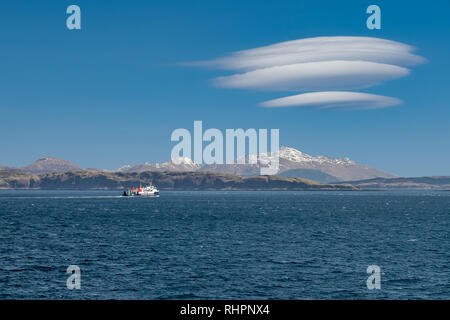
(189, 181)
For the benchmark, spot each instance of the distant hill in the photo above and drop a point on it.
(88, 180)
(11, 179)
(49, 165)
(438, 182)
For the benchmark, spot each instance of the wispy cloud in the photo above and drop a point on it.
(334, 100)
(319, 64)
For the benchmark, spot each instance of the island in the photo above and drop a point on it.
(103, 180)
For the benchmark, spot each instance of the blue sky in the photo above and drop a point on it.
(112, 93)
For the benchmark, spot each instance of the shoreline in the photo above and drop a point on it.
(181, 189)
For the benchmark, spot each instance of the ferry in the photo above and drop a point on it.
(149, 191)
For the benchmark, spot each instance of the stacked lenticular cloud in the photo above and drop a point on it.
(323, 67)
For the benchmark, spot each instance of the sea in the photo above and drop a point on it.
(225, 245)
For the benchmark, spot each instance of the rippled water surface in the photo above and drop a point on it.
(225, 245)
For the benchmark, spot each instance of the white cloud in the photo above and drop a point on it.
(334, 100)
(313, 76)
(318, 49)
(320, 64)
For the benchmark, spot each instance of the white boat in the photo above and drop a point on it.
(149, 191)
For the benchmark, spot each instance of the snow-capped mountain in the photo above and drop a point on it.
(177, 164)
(295, 155)
(124, 168)
(294, 163)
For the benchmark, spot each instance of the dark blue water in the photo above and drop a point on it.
(225, 245)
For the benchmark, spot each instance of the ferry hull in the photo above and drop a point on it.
(142, 192)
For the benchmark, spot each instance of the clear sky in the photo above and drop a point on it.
(111, 93)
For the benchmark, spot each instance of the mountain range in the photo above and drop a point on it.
(293, 164)
(296, 164)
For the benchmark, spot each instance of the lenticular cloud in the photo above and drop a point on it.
(313, 76)
(329, 64)
(334, 100)
(319, 49)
